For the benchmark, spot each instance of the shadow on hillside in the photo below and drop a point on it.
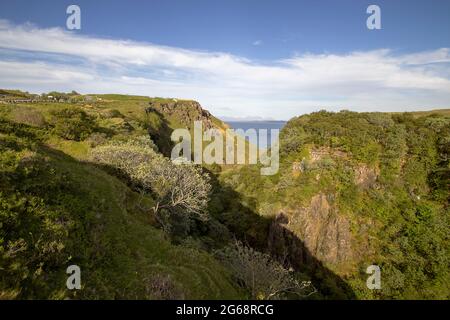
(264, 234)
(160, 133)
(229, 208)
(270, 235)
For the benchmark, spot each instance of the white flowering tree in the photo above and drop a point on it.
(264, 277)
(181, 187)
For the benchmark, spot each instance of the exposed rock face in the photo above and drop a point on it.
(325, 233)
(174, 114)
(365, 177)
(185, 111)
(314, 232)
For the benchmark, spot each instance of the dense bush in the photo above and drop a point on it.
(97, 139)
(263, 277)
(73, 123)
(163, 287)
(112, 113)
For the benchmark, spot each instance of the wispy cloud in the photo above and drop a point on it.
(39, 60)
(257, 43)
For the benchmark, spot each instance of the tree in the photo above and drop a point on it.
(265, 278)
(176, 188)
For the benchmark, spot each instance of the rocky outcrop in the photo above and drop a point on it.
(184, 111)
(325, 233)
(314, 232)
(366, 177)
(172, 114)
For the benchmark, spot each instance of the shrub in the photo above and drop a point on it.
(143, 142)
(163, 287)
(263, 277)
(112, 113)
(97, 139)
(73, 124)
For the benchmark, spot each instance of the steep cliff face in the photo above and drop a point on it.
(316, 240)
(165, 115)
(322, 231)
(361, 189)
(183, 113)
(325, 232)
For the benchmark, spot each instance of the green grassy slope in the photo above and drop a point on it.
(57, 209)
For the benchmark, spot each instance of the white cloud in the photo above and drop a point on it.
(39, 60)
(436, 56)
(257, 43)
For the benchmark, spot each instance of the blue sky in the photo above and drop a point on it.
(246, 58)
